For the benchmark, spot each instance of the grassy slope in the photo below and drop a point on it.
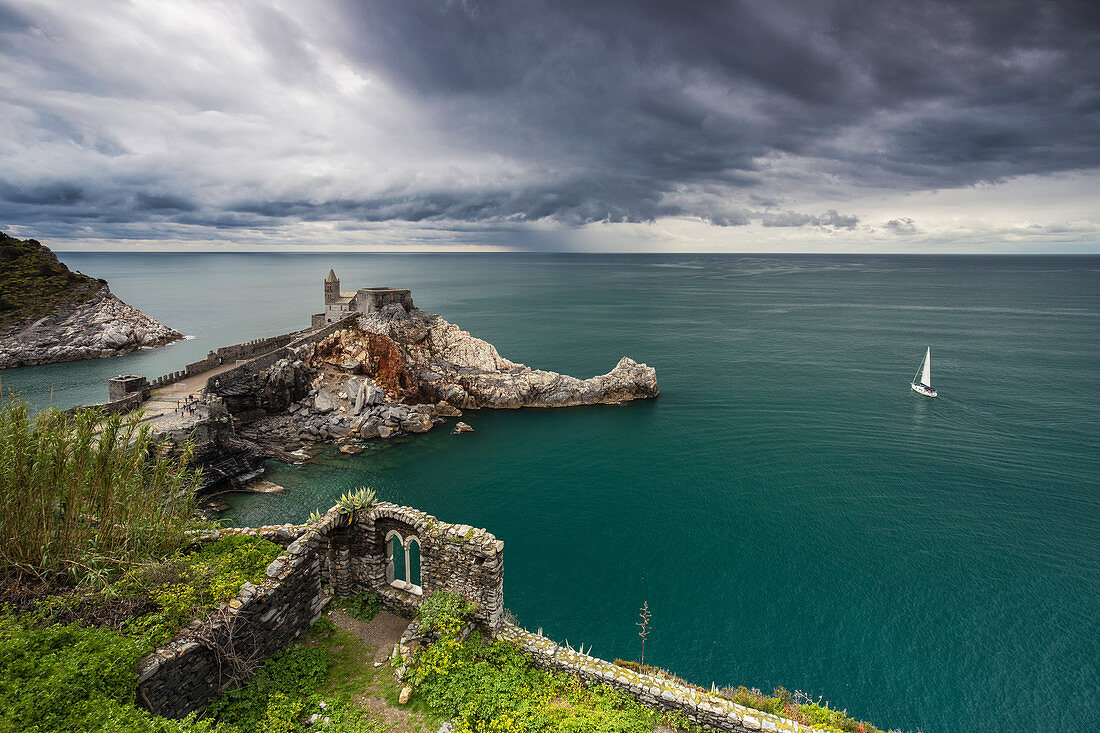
(34, 283)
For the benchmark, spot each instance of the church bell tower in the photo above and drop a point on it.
(332, 288)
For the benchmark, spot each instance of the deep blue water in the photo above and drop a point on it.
(793, 514)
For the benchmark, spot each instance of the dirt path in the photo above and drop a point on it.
(363, 646)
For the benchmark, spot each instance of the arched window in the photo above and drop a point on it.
(403, 561)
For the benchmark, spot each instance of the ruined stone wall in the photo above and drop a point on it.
(453, 557)
(711, 711)
(348, 551)
(183, 675)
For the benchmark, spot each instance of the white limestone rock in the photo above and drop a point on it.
(467, 372)
(102, 326)
(324, 401)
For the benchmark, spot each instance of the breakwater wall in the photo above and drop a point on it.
(234, 352)
(400, 553)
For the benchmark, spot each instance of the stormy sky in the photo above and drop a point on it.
(809, 125)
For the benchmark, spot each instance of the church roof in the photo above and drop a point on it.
(331, 276)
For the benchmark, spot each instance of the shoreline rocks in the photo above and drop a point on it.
(101, 327)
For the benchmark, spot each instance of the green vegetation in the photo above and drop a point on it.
(80, 495)
(491, 688)
(65, 676)
(362, 606)
(189, 586)
(34, 283)
(799, 707)
(70, 678)
(324, 676)
(442, 609)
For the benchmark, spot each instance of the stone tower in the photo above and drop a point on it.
(332, 288)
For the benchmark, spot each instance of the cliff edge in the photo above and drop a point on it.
(50, 314)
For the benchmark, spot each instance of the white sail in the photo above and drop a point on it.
(926, 370)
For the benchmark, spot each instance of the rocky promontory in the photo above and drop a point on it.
(398, 372)
(50, 314)
(423, 356)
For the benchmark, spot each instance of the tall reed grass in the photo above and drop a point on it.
(84, 492)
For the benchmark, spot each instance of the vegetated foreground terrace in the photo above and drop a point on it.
(103, 562)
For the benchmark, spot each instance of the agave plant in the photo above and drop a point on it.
(355, 501)
(315, 517)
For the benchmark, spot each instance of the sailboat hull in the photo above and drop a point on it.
(923, 389)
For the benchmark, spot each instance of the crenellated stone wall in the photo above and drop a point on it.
(234, 352)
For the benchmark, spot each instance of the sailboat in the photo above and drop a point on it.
(924, 371)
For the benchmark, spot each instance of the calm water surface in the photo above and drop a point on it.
(791, 511)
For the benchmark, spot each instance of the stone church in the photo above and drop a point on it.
(339, 305)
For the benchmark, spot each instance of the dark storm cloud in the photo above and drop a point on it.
(601, 111)
(61, 194)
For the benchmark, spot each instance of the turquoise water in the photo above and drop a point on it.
(793, 514)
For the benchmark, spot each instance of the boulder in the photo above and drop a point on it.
(351, 450)
(445, 409)
(386, 431)
(353, 388)
(324, 401)
(462, 427)
(417, 423)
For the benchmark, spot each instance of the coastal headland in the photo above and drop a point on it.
(373, 366)
(49, 314)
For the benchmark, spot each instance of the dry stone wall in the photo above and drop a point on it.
(204, 658)
(348, 551)
(703, 708)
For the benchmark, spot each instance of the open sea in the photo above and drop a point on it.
(790, 510)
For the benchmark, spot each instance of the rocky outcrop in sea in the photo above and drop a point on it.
(422, 357)
(396, 373)
(100, 327)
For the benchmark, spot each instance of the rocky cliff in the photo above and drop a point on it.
(101, 327)
(50, 314)
(420, 357)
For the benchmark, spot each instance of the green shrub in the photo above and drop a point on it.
(80, 493)
(189, 586)
(276, 695)
(72, 678)
(442, 610)
(492, 687)
(362, 606)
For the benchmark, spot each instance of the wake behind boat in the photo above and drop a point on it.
(924, 384)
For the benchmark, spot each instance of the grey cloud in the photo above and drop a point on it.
(60, 194)
(607, 112)
(793, 219)
(156, 202)
(903, 225)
